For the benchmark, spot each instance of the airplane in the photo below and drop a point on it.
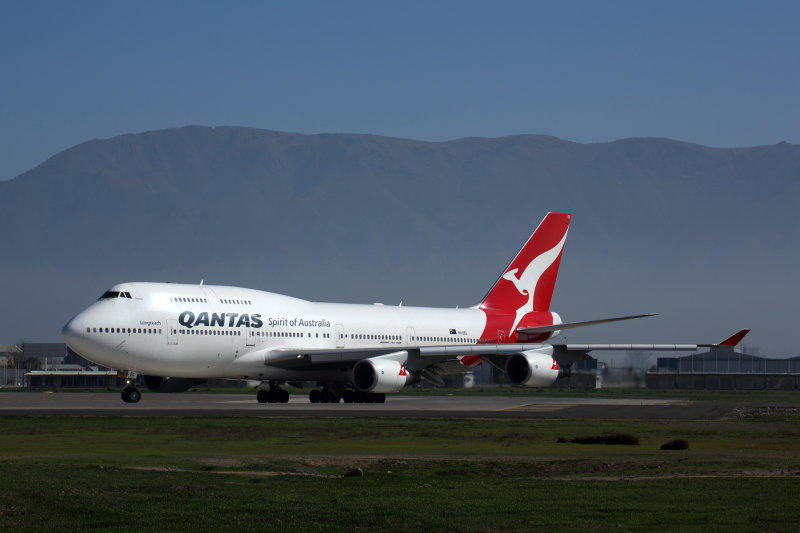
(171, 337)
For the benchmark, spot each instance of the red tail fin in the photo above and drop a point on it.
(527, 283)
(734, 339)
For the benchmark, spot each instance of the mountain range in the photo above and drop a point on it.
(707, 237)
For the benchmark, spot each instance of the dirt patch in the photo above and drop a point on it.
(228, 472)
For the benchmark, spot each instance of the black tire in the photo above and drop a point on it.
(284, 396)
(131, 395)
(315, 396)
(349, 396)
(380, 398)
(262, 396)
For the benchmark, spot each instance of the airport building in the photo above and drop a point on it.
(44, 365)
(11, 375)
(724, 368)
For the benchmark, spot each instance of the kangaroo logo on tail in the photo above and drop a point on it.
(526, 283)
(532, 274)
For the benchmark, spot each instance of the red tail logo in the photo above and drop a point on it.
(527, 284)
(402, 371)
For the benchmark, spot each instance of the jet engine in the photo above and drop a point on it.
(162, 384)
(380, 375)
(532, 369)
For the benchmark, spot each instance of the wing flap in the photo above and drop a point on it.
(632, 347)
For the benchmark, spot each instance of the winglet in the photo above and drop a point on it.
(735, 339)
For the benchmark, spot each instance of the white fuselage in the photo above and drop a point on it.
(204, 331)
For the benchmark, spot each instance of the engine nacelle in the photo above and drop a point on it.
(532, 369)
(380, 375)
(162, 384)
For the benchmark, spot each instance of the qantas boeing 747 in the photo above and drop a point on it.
(171, 337)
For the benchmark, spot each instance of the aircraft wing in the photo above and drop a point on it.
(299, 359)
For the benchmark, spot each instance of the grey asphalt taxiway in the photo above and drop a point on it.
(408, 406)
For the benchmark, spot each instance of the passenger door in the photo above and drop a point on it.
(172, 331)
(339, 329)
(251, 337)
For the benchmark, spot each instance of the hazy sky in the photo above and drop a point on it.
(716, 73)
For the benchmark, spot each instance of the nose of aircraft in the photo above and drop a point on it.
(73, 332)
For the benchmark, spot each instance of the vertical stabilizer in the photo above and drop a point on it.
(527, 283)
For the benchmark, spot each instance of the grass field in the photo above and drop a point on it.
(287, 474)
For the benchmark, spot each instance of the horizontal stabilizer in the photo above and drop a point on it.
(558, 327)
(733, 340)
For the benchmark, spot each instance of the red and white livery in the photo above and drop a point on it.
(170, 337)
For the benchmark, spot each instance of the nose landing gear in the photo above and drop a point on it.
(131, 395)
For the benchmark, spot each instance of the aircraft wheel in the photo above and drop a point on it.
(315, 396)
(349, 396)
(131, 395)
(262, 396)
(284, 396)
(380, 398)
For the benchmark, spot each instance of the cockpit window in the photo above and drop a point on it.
(115, 294)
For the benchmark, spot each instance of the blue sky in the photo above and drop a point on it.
(715, 73)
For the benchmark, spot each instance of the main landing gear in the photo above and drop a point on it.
(275, 394)
(327, 395)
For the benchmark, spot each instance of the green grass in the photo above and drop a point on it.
(286, 474)
(87, 497)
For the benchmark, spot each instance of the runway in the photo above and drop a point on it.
(405, 406)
